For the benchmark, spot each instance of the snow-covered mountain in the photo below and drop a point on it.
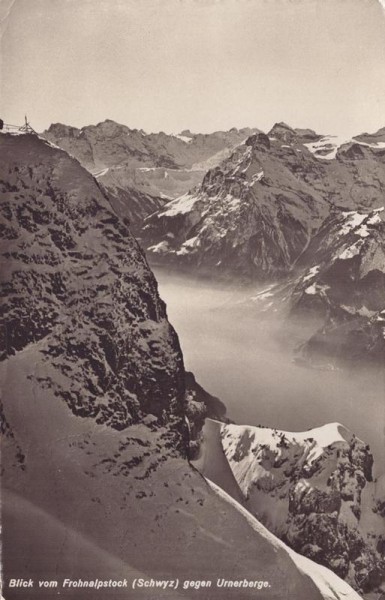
(258, 210)
(280, 212)
(247, 218)
(140, 170)
(314, 490)
(97, 412)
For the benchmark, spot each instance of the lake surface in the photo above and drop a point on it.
(234, 353)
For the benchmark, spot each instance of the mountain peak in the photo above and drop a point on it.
(186, 133)
(62, 130)
(279, 126)
(258, 139)
(283, 132)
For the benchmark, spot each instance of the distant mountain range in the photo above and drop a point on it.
(141, 171)
(292, 210)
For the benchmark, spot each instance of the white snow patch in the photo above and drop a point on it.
(232, 202)
(363, 231)
(45, 141)
(334, 142)
(257, 177)
(375, 218)
(352, 250)
(160, 248)
(180, 206)
(101, 173)
(184, 138)
(189, 245)
(262, 295)
(329, 142)
(311, 290)
(311, 273)
(375, 145)
(353, 219)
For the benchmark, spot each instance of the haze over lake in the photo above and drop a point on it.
(234, 353)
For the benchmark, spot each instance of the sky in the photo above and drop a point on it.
(203, 65)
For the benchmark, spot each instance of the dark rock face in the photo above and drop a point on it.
(131, 205)
(77, 285)
(199, 406)
(283, 132)
(258, 139)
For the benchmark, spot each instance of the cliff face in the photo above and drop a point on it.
(314, 490)
(77, 287)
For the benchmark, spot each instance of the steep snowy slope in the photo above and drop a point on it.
(315, 491)
(95, 436)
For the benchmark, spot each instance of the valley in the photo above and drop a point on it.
(242, 355)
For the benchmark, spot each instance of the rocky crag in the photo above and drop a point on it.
(314, 490)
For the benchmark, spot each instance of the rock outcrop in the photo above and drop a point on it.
(314, 490)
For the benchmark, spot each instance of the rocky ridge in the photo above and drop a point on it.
(316, 492)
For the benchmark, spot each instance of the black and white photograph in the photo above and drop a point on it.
(192, 276)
